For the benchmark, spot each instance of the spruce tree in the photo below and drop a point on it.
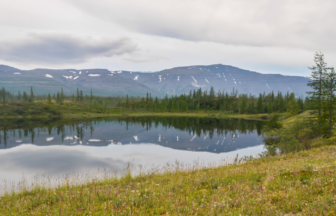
(318, 72)
(91, 98)
(62, 96)
(4, 99)
(31, 94)
(260, 105)
(19, 96)
(292, 105)
(127, 102)
(328, 115)
(49, 98)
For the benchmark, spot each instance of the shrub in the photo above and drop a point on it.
(35, 112)
(273, 123)
(19, 111)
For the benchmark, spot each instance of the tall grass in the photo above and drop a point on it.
(301, 183)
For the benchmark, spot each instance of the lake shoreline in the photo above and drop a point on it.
(34, 111)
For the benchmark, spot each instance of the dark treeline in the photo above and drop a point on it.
(195, 101)
(198, 100)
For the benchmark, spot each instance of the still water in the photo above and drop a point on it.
(55, 148)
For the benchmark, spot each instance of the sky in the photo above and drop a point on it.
(266, 36)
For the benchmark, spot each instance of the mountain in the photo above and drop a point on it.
(170, 81)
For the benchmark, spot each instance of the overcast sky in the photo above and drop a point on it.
(266, 36)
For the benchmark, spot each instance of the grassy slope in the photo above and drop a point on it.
(317, 142)
(304, 183)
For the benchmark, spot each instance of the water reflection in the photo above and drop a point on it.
(183, 133)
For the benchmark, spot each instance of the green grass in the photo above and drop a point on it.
(302, 183)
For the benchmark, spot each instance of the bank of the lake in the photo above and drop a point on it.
(69, 112)
(300, 183)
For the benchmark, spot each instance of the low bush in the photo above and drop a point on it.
(19, 111)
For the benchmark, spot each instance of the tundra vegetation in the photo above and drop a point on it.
(296, 175)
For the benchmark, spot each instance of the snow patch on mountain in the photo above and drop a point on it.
(196, 85)
(67, 77)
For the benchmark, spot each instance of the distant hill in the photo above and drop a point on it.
(170, 81)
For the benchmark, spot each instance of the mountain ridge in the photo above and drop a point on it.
(173, 81)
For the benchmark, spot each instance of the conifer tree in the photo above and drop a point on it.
(292, 105)
(19, 96)
(49, 98)
(31, 94)
(4, 99)
(260, 105)
(127, 102)
(328, 115)
(91, 98)
(62, 96)
(318, 72)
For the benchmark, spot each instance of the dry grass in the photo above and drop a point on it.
(303, 183)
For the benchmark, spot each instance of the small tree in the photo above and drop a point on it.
(318, 72)
(31, 94)
(292, 105)
(91, 98)
(49, 98)
(260, 105)
(328, 115)
(273, 123)
(127, 102)
(62, 96)
(4, 99)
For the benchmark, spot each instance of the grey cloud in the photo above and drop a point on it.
(303, 24)
(141, 58)
(54, 49)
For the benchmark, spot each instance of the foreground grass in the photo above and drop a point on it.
(302, 183)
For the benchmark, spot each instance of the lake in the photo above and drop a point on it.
(55, 147)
